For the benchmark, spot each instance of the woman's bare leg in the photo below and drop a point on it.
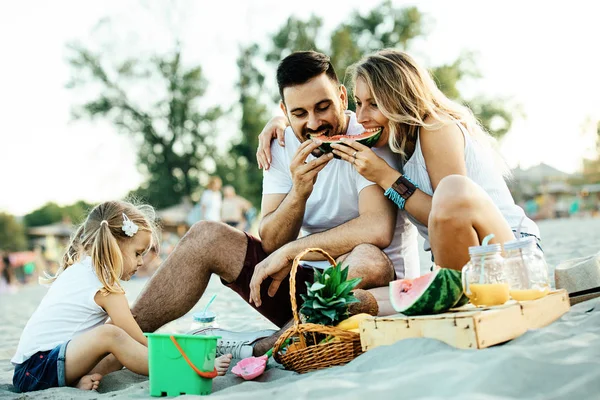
(462, 214)
(86, 350)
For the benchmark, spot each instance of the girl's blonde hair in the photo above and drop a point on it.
(407, 95)
(100, 240)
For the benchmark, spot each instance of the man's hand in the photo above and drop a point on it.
(304, 175)
(274, 129)
(276, 266)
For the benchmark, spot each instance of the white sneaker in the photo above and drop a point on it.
(238, 344)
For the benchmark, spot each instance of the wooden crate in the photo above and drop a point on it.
(468, 327)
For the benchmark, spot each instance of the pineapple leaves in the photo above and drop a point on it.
(327, 298)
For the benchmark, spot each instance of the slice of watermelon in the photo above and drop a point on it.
(432, 293)
(367, 138)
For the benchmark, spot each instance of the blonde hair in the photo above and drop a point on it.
(99, 237)
(407, 95)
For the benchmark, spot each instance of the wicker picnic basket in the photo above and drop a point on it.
(340, 347)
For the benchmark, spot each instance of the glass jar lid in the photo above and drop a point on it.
(490, 248)
(207, 316)
(521, 243)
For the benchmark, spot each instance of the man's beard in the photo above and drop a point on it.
(329, 131)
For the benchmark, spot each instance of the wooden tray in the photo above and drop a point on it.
(467, 327)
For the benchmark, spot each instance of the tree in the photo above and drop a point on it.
(238, 167)
(12, 233)
(51, 213)
(387, 26)
(175, 144)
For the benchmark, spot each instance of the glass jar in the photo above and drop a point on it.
(201, 321)
(483, 277)
(526, 269)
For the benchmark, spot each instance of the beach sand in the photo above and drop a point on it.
(561, 361)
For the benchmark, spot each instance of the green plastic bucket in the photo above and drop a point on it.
(176, 363)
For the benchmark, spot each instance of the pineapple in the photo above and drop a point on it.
(326, 300)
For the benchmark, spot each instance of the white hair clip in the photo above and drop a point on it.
(129, 227)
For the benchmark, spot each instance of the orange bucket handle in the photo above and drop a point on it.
(207, 375)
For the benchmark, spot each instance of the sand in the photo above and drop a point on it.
(561, 361)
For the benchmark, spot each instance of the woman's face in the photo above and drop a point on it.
(368, 114)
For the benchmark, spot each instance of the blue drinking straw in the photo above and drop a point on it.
(485, 242)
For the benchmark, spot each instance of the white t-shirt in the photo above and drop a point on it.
(67, 310)
(211, 201)
(334, 199)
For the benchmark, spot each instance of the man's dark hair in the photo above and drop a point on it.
(301, 66)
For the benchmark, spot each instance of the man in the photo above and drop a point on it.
(338, 209)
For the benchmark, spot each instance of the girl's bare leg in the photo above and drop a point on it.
(462, 214)
(86, 350)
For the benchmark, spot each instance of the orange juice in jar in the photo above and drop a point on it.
(484, 281)
(526, 269)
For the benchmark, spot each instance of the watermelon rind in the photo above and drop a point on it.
(443, 293)
(368, 141)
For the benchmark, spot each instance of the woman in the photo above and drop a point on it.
(210, 202)
(452, 185)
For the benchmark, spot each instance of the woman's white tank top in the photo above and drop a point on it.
(481, 169)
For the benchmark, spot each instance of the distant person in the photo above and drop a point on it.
(211, 200)
(7, 278)
(67, 335)
(234, 208)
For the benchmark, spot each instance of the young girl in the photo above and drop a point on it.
(67, 336)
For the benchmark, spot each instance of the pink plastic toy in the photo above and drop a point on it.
(251, 367)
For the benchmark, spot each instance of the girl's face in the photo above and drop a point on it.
(368, 114)
(133, 251)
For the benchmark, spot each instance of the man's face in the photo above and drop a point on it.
(316, 108)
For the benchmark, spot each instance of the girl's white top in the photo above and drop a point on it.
(481, 169)
(67, 310)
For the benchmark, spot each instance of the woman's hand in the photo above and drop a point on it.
(366, 162)
(275, 128)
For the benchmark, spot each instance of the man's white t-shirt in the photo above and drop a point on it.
(334, 199)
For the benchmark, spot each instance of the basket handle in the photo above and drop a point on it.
(293, 277)
(207, 375)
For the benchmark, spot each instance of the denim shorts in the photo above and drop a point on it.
(43, 370)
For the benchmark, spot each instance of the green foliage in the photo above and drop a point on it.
(387, 26)
(238, 168)
(295, 35)
(12, 233)
(51, 213)
(176, 141)
(327, 298)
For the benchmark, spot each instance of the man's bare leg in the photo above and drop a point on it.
(207, 248)
(369, 263)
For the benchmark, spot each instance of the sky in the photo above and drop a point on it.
(539, 56)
